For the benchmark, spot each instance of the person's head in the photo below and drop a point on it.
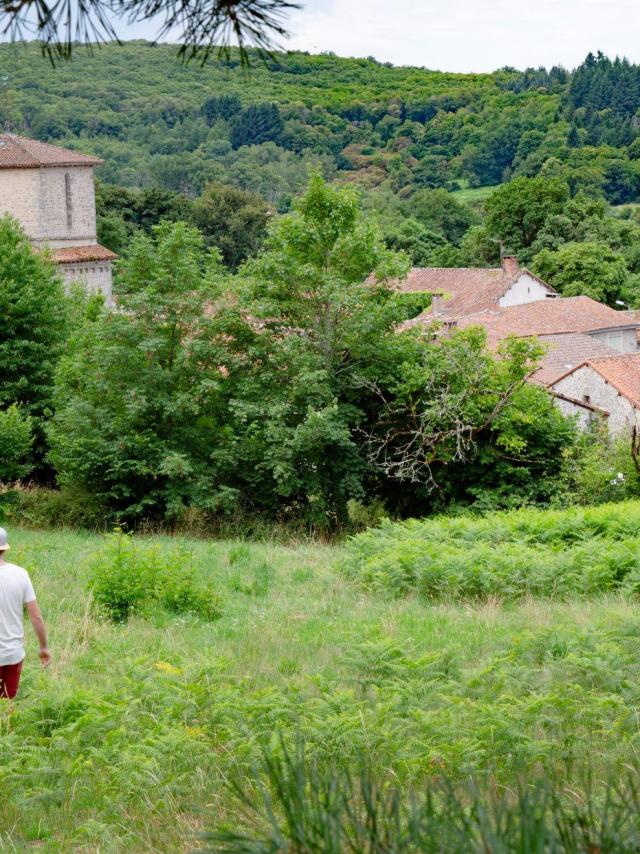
(4, 543)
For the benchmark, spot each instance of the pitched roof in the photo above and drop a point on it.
(621, 371)
(80, 254)
(467, 290)
(566, 351)
(547, 317)
(18, 152)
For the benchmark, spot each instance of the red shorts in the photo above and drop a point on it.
(9, 680)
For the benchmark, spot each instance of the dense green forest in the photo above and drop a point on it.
(161, 123)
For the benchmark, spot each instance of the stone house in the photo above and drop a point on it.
(461, 291)
(50, 191)
(611, 384)
(590, 347)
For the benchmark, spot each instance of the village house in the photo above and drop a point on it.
(591, 365)
(50, 192)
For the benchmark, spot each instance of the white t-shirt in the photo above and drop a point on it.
(15, 591)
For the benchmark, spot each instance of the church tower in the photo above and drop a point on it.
(50, 191)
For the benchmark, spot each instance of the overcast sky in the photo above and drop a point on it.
(470, 35)
(464, 35)
(459, 35)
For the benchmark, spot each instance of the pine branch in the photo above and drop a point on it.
(199, 25)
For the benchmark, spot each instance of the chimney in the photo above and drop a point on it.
(510, 264)
(437, 303)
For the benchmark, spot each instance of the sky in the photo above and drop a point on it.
(470, 35)
(462, 35)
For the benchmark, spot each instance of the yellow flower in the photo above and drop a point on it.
(165, 667)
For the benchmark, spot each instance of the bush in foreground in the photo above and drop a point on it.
(127, 577)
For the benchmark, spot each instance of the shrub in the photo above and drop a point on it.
(127, 577)
(546, 553)
(179, 593)
(122, 578)
(39, 507)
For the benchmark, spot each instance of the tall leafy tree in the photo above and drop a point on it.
(136, 395)
(517, 211)
(34, 327)
(232, 220)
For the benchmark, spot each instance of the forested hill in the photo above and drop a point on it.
(161, 123)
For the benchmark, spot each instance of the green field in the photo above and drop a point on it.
(126, 742)
(474, 196)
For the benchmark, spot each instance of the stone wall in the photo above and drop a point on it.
(94, 276)
(587, 382)
(54, 205)
(20, 198)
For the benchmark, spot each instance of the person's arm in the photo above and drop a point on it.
(41, 633)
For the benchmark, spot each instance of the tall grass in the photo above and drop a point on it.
(293, 804)
(127, 741)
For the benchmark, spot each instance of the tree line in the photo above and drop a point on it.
(179, 127)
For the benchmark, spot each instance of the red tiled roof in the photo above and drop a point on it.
(621, 371)
(467, 290)
(566, 351)
(79, 254)
(546, 317)
(18, 152)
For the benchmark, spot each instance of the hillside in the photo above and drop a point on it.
(158, 122)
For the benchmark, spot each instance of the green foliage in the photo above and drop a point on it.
(292, 801)
(34, 327)
(592, 269)
(45, 508)
(16, 441)
(403, 129)
(136, 394)
(232, 220)
(128, 578)
(517, 211)
(561, 553)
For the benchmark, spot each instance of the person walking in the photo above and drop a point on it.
(16, 594)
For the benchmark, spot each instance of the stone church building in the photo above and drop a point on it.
(50, 191)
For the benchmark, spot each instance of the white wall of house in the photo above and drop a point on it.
(622, 340)
(585, 384)
(526, 289)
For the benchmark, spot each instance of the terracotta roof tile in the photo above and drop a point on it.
(79, 254)
(544, 317)
(622, 372)
(564, 352)
(18, 152)
(467, 290)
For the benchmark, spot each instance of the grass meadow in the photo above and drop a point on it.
(128, 742)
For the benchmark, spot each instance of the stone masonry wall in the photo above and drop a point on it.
(20, 198)
(52, 208)
(95, 276)
(585, 381)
